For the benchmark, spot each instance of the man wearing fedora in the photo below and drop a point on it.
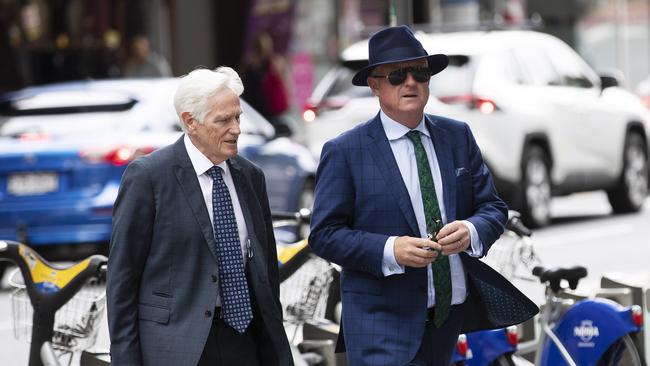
(405, 204)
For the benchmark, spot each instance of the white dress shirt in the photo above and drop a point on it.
(201, 165)
(404, 153)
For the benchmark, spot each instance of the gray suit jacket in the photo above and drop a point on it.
(161, 288)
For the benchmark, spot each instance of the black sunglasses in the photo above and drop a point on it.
(396, 77)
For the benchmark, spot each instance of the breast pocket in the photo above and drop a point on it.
(464, 192)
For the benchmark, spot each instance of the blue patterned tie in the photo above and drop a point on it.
(235, 299)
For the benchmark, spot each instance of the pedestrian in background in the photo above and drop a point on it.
(264, 85)
(193, 269)
(143, 62)
(405, 204)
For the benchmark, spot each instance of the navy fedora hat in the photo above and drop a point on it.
(396, 44)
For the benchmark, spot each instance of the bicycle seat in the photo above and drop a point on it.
(46, 278)
(555, 275)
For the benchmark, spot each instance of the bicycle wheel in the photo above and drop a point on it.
(623, 352)
(503, 360)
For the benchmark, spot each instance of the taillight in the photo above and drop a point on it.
(637, 315)
(309, 114)
(117, 156)
(461, 345)
(486, 106)
(513, 335)
(646, 100)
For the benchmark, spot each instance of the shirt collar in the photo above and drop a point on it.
(395, 130)
(199, 161)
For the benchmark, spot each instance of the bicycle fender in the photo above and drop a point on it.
(487, 346)
(587, 329)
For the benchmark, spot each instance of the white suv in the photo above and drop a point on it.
(545, 122)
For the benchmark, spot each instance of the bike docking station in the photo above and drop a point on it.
(630, 289)
(601, 326)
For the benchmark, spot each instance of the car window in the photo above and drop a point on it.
(252, 123)
(76, 124)
(499, 68)
(571, 68)
(456, 79)
(342, 86)
(536, 65)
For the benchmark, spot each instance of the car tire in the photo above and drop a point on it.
(632, 188)
(535, 188)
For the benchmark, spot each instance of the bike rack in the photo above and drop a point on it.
(638, 288)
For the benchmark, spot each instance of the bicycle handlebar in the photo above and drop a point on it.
(515, 224)
(300, 217)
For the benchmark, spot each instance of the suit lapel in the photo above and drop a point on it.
(189, 183)
(246, 201)
(445, 158)
(383, 155)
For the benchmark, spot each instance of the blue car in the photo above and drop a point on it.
(64, 147)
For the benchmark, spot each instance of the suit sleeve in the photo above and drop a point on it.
(333, 236)
(133, 219)
(490, 212)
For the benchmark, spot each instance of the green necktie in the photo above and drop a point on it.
(440, 268)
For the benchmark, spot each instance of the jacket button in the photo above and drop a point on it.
(208, 313)
(213, 278)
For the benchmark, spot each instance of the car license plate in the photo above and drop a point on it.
(26, 184)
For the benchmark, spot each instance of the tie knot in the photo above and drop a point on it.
(414, 136)
(214, 173)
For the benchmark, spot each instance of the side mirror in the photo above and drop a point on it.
(282, 126)
(610, 78)
(282, 130)
(608, 82)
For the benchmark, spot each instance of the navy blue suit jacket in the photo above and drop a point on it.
(162, 267)
(361, 200)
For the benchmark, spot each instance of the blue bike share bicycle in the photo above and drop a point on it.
(497, 347)
(590, 332)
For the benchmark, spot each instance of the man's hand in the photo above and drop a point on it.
(415, 252)
(453, 237)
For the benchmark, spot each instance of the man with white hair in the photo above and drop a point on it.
(193, 274)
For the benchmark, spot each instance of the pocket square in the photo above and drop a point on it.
(461, 171)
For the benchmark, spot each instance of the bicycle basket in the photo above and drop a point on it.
(304, 294)
(512, 256)
(75, 324)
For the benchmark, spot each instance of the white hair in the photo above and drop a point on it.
(196, 88)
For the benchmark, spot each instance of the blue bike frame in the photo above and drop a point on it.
(487, 345)
(481, 348)
(586, 331)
